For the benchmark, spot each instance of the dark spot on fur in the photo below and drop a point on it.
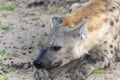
(111, 46)
(105, 42)
(105, 50)
(114, 7)
(111, 23)
(108, 64)
(102, 58)
(117, 20)
(111, 10)
(115, 37)
(111, 52)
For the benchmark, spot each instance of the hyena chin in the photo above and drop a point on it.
(61, 44)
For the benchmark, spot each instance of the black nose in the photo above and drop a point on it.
(38, 64)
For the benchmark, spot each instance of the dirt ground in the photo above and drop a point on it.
(22, 32)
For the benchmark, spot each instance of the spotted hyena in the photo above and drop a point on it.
(93, 29)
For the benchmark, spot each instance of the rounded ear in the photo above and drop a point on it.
(80, 31)
(56, 21)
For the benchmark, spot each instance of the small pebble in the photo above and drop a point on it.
(10, 58)
(30, 52)
(24, 53)
(43, 25)
(5, 58)
(30, 47)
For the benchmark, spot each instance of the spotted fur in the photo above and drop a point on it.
(102, 15)
(101, 56)
(102, 42)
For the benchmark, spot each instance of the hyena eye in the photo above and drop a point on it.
(55, 48)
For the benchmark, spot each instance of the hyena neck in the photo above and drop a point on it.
(93, 38)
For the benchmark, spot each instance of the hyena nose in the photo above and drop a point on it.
(38, 64)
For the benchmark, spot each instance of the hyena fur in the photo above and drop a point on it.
(67, 44)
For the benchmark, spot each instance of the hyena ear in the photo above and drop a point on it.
(80, 32)
(56, 21)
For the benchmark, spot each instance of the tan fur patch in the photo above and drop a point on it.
(97, 25)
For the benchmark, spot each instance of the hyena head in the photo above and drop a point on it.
(60, 45)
